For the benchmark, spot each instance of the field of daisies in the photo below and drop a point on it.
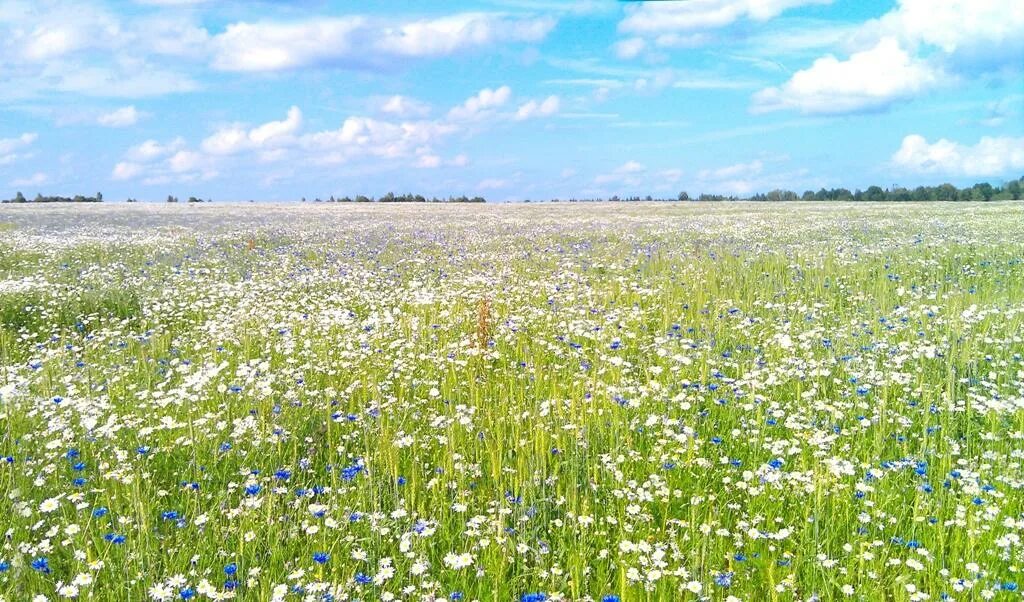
(573, 402)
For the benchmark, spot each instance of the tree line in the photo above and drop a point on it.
(400, 198)
(20, 198)
(1012, 190)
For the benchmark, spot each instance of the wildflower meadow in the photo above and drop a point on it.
(527, 403)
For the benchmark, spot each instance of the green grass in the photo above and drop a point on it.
(768, 403)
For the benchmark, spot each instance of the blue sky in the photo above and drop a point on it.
(509, 99)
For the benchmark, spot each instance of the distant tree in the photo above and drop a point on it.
(1014, 188)
(19, 198)
(683, 196)
(874, 194)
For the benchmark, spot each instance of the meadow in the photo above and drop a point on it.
(578, 402)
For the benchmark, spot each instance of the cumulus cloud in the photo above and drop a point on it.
(629, 48)
(953, 25)
(357, 41)
(160, 163)
(233, 139)
(625, 173)
(548, 106)
(991, 156)
(737, 170)
(151, 149)
(481, 103)
(907, 51)
(448, 35)
(492, 184)
(662, 17)
(35, 179)
(410, 142)
(428, 161)
(10, 148)
(119, 118)
(172, 2)
(8, 145)
(403, 106)
(871, 79)
(126, 170)
(741, 178)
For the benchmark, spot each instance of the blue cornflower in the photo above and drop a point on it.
(230, 569)
(321, 557)
(41, 564)
(363, 578)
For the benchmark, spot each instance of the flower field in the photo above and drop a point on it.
(608, 402)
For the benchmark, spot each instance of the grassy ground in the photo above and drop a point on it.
(654, 402)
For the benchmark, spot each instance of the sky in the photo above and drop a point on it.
(507, 99)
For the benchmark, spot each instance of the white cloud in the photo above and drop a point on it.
(548, 106)
(905, 52)
(10, 147)
(448, 35)
(172, 2)
(34, 180)
(233, 139)
(481, 103)
(492, 184)
(629, 48)
(360, 137)
(126, 170)
(403, 106)
(661, 17)
(991, 156)
(151, 149)
(627, 173)
(273, 46)
(738, 170)
(671, 175)
(50, 42)
(630, 167)
(870, 79)
(359, 42)
(159, 163)
(185, 161)
(679, 40)
(123, 117)
(276, 129)
(428, 161)
(953, 25)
